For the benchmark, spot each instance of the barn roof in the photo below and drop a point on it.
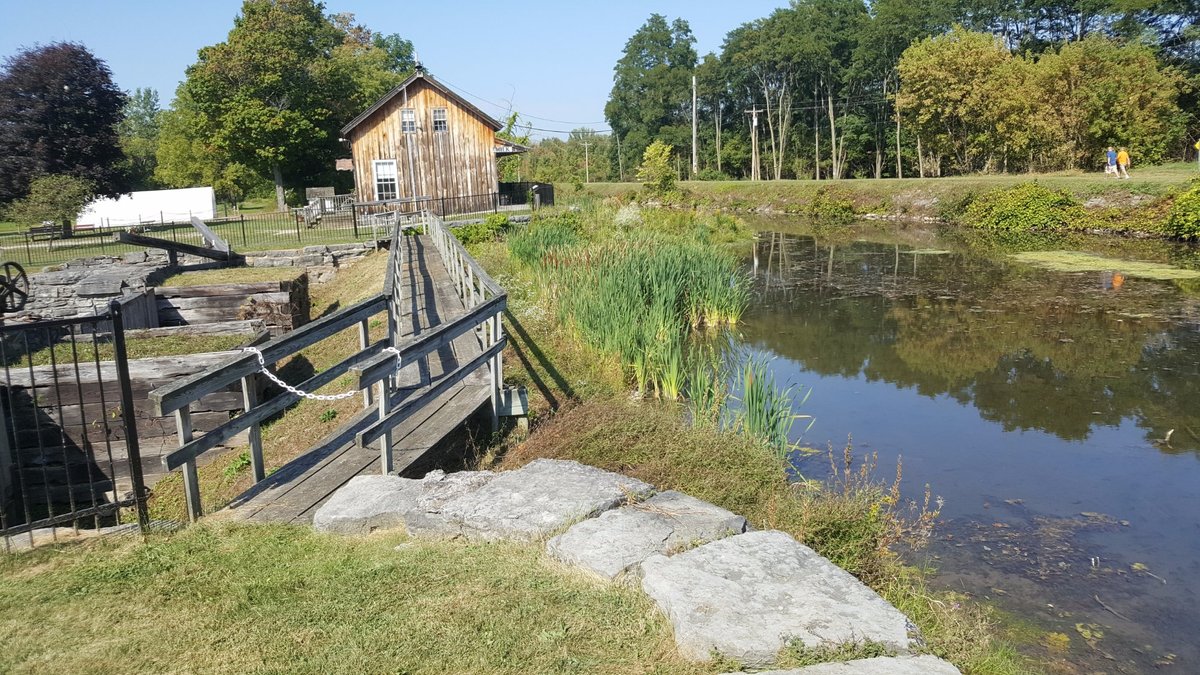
(487, 119)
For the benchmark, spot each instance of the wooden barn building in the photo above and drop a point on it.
(422, 140)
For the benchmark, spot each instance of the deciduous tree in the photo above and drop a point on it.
(59, 111)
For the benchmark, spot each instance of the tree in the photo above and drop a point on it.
(59, 111)
(52, 198)
(186, 157)
(138, 132)
(272, 96)
(652, 83)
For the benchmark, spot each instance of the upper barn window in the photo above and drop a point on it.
(439, 120)
(408, 120)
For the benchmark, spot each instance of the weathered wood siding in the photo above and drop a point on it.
(455, 163)
(281, 305)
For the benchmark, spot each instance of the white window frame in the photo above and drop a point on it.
(394, 178)
(408, 120)
(445, 120)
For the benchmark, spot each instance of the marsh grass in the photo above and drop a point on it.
(767, 412)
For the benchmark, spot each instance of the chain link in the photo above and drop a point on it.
(262, 365)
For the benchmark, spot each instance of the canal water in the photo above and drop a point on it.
(1036, 403)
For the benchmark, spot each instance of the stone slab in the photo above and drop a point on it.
(748, 595)
(620, 539)
(880, 665)
(535, 501)
(369, 503)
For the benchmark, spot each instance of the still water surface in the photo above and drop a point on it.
(1034, 402)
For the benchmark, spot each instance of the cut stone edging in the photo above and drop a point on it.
(743, 594)
(619, 540)
(880, 665)
(749, 595)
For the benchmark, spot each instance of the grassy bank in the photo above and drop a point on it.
(580, 393)
(1140, 204)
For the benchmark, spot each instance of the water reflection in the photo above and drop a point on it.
(1060, 353)
(1037, 403)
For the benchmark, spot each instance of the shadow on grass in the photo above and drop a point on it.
(537, 353)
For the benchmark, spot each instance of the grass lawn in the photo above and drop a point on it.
(138, 348)
(232, 275)
(220, 598)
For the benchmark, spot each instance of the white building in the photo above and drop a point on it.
(151, 206)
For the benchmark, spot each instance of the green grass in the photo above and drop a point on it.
(229, 599)
(138, 348)
(232, 275)
(1075, 261)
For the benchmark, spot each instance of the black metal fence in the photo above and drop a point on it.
(69, 454)
(344, 223)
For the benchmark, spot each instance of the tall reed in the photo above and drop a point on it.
(767, 411)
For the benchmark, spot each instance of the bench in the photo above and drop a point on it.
(44, 232)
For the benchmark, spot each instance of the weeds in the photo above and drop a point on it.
(766, 410)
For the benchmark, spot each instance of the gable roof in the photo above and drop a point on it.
(487, 119)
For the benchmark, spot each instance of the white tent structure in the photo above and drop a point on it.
(151, 206)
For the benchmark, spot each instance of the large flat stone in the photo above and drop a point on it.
(881, 665)
(620, 539)
(535, 501)
(368, 503)
(748, 595)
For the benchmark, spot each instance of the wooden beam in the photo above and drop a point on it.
(173, 246)
(211, 237)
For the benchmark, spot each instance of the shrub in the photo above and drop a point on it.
(487, 230)
(1184, 221)
(830, 205)
(710, 173)
(656, 173)
(1028, 207)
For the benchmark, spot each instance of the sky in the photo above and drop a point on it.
(550, 61)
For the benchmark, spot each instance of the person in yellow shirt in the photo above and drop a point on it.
(1123, 163)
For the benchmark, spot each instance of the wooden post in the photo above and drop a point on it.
(364, 339)
(385, 443)
(497, 373)
(191, 481)
(249, 400)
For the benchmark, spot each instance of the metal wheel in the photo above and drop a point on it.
(15, 290)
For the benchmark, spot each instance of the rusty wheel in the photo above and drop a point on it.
(15, 290)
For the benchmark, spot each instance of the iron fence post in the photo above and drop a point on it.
(354, 219)
(298, 240)
(242, 220)
(28, 250)
(495, 202)
(128, 417)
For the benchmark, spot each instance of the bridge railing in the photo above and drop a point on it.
(178, 397)
(374, 366)
(485, 301)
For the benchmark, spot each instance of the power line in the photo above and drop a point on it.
(509, 107)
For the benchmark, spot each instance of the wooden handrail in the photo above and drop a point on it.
(261, 412)
(172, 397)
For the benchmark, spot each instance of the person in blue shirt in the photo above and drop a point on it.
(1111, 167)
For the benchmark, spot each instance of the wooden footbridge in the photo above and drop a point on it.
(439, 365)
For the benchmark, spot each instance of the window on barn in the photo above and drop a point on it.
(385, 179)
(439, 120)
(408, 120)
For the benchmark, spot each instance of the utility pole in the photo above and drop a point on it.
(755, 173)
(587, 173)
(718, 135)
(695, 150)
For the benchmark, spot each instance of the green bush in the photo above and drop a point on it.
(830, 205)
(1184, 221)
(486, 230)
(1028, 207)
(656, 172)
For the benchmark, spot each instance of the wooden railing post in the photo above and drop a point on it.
(364, 339)
(191, 480)
(385, 443)
(249, 400)
(497, 373)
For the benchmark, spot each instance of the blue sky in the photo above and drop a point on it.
(551, 60)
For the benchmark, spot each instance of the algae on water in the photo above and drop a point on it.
(1074, 261)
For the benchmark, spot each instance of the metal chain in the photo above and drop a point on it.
(262, 365)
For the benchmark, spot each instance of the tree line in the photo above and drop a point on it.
(257, 114)
(850, 88)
